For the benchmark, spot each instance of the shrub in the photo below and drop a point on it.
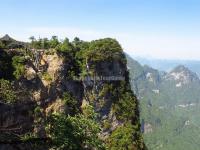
(46, 76)
(122, 138)
(71, 103)
(125, 107)
(104, 49)
(18, 63)
(7, 92)
(6, 68)
(74, 133)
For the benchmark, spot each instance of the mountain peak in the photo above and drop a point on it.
(181, 68)
(7, 38)
(182, 73)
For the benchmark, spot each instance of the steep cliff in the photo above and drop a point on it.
(65, 81)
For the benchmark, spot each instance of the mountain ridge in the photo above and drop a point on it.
(169, 106)
(168, 64)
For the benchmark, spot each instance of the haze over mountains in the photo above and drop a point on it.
(169, 64)
(169, 106)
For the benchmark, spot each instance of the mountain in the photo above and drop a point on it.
(73, 95)
(182, 75)
(7, 38)
(10, 43)
(167, 64)
(169, 106)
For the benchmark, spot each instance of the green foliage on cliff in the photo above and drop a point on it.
(127, 135)
(44, 43)
(66, 46)
(123, 136)
(104, 49)
(71, 103)
(18, 64)
(46, 76)
(125, 107)
(74, 133)
(7, 92)
(1, 45)
(6, 68)
(107, 101)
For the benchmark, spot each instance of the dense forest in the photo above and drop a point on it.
(62, 94)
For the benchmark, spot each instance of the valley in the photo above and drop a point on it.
(169, 106)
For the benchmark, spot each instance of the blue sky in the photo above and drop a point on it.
(151, 28)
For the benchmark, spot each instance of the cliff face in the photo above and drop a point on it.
(104, 85)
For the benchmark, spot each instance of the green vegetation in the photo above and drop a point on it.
(77, 126)
(18, 64)
(37, 111)
(71, 103)
(122, 138)
(54, 42)
(6, 68)
(172, 112)
(46, 76)
(1, 45)
(74, 133)
(44, 43)
(65, 46)
(7, 92)
(104, 49)
(125, 108)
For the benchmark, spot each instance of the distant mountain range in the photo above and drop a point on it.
(167, 65)
(169, 104)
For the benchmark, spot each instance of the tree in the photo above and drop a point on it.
(104, 49)
(32, 38)
(54, 42)
(76, 42)
(18, 64)
(123, 138)
(38, 44)
(71, 103)
(2, 45)
(66, 47)
(45, 43)
(6, 68)
(74, 133)
(125, 108)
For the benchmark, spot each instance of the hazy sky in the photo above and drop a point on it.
(152, 28)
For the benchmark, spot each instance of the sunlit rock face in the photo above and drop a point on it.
(182, 75)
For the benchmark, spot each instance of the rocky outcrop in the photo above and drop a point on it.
(15, 120)
(105, 86)
(45, 89)
(182, 75)
(105, 73)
